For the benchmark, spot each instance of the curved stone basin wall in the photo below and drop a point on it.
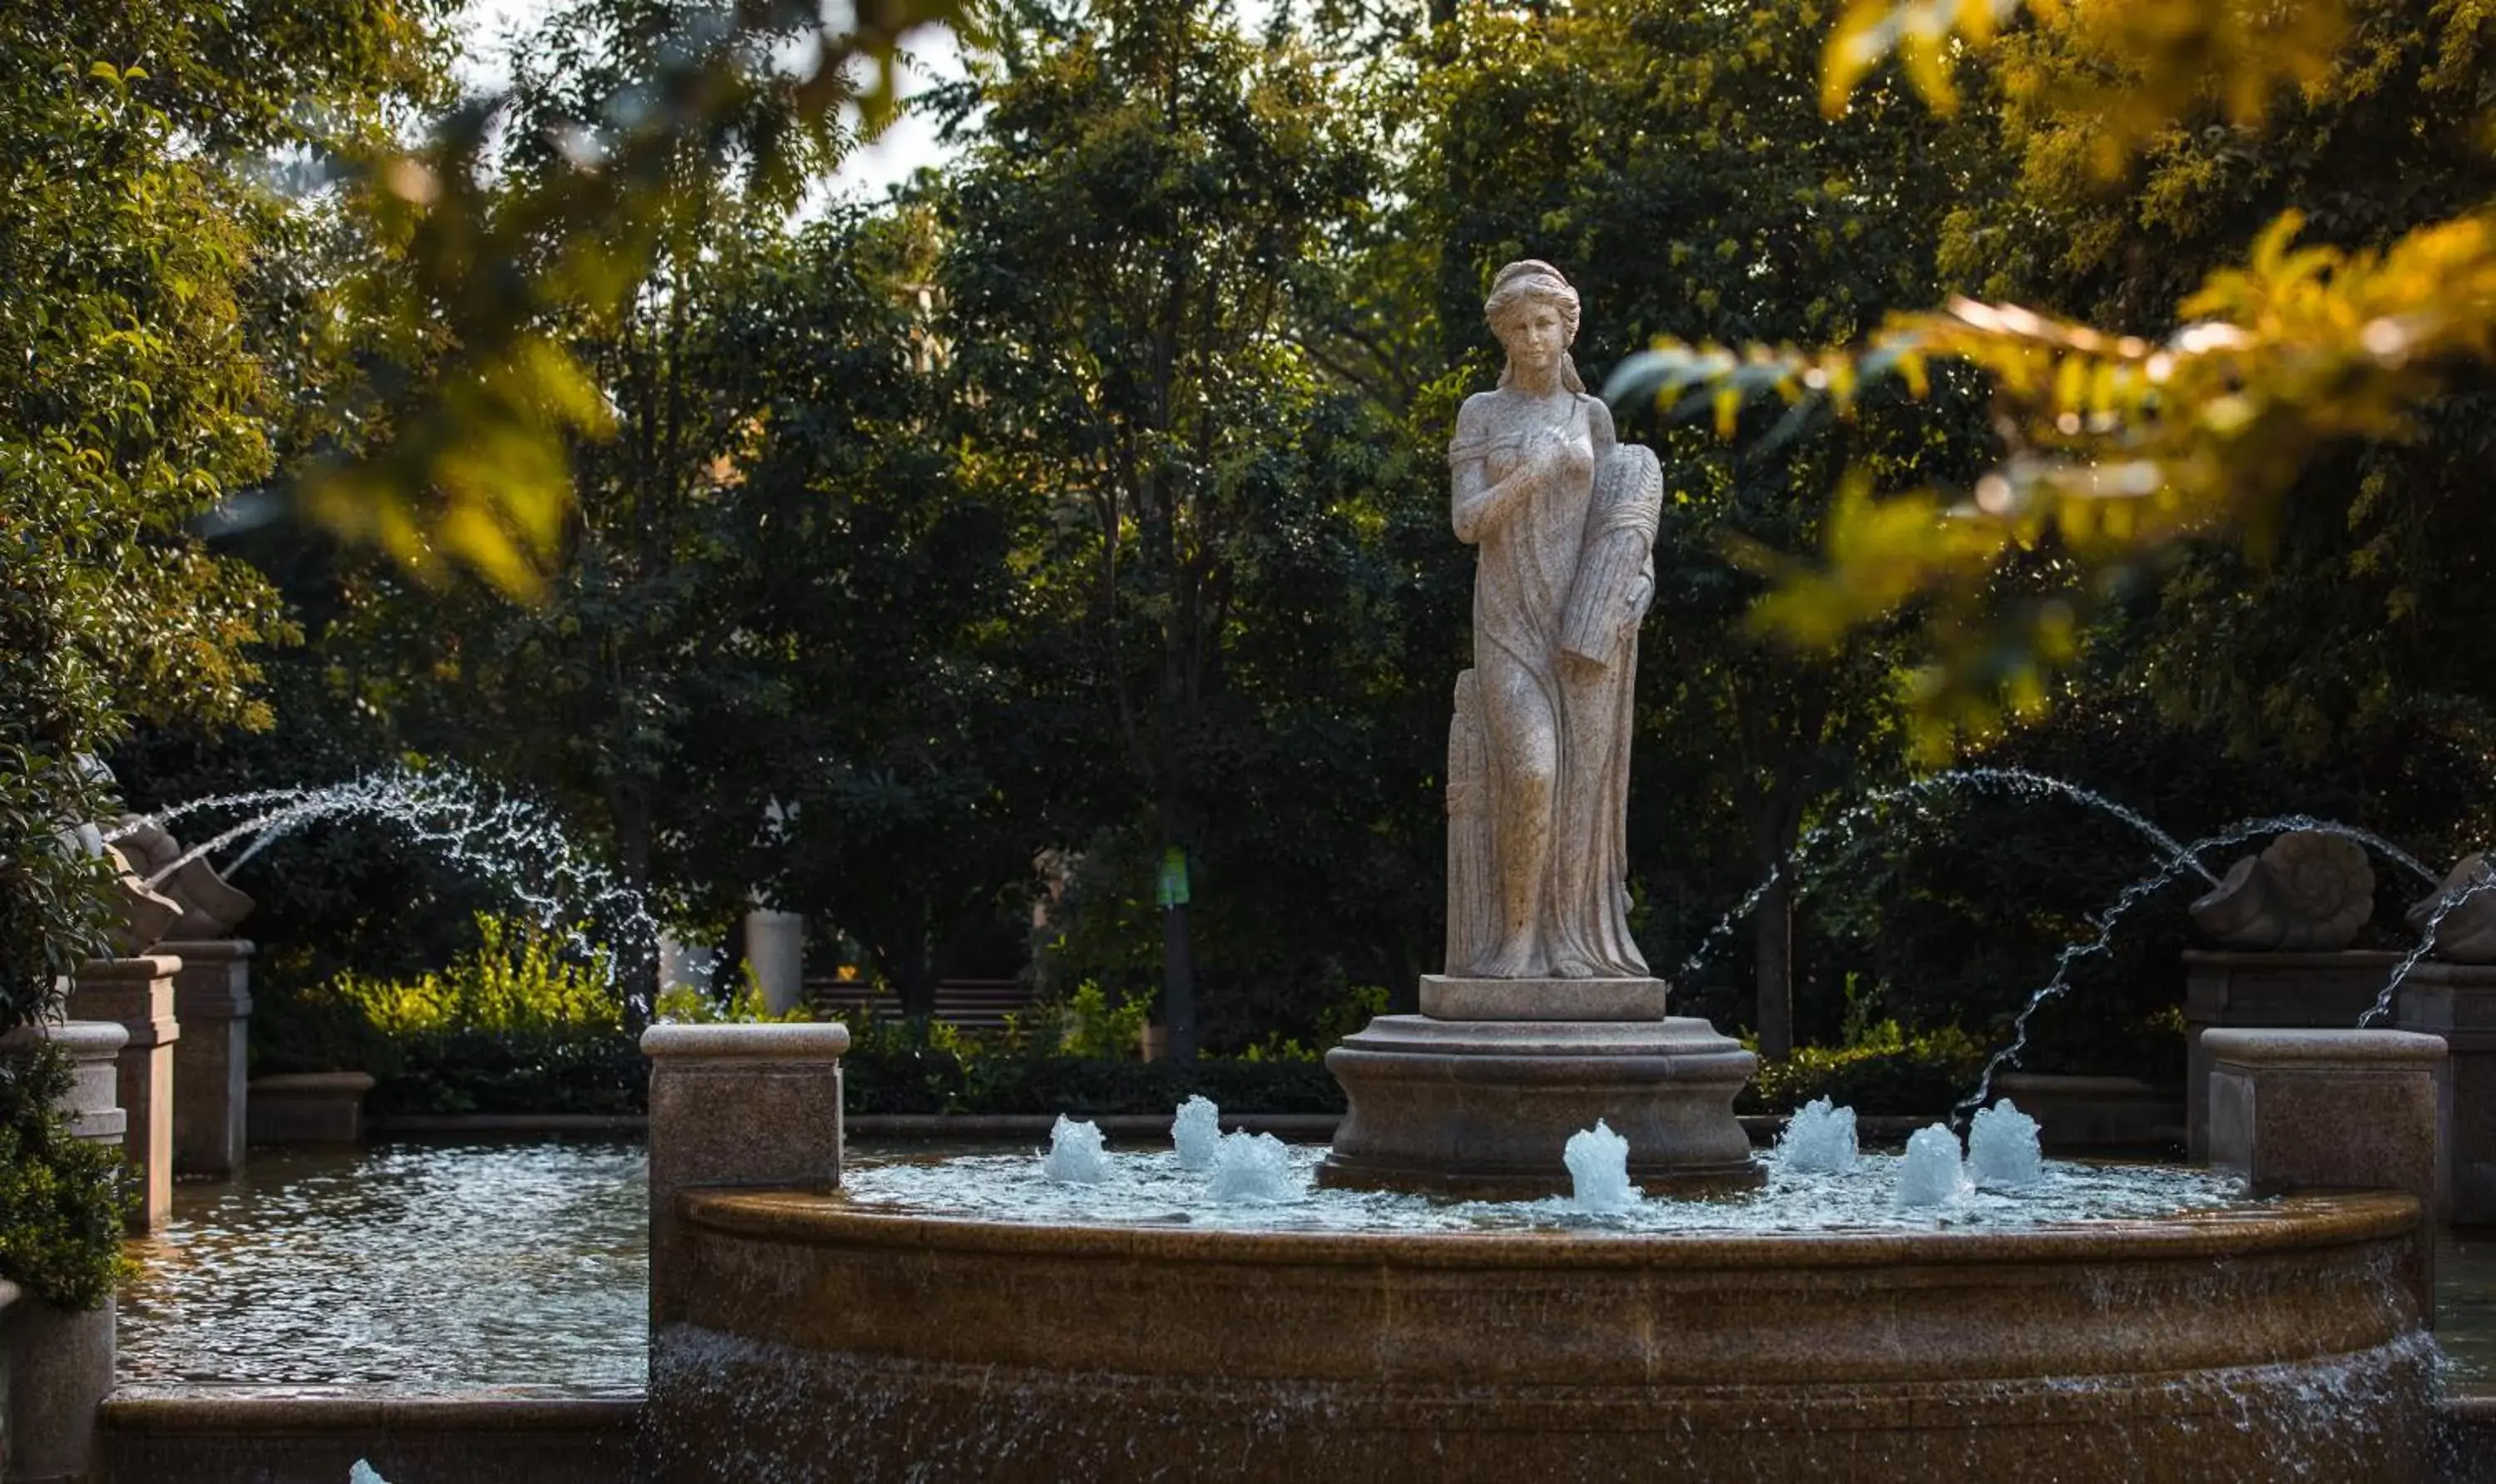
(825, 1341)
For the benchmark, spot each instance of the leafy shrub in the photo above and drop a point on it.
(1885, 1071)
(517, 978)
(63, 1199)
(469, 1070)
(684, 1004)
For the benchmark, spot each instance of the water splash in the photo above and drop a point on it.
(1598, 1169)
(1075, 1155)
(1197, 1132)
(2447, 901)
(1253, 1169)
(515, 844)
(1819, 1140)
(1845, 829)
(2003, 1148)
(1932, 1174)
(2078, 950)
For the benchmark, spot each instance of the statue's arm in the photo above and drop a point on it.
(1475, 502)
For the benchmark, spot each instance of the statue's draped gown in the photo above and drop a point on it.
(1558, 588)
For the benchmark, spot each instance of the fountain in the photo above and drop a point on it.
(1819, 1139)
(1075, 1155)
(989, 1317)
(1932, 1173)
(2002, 1148)
(1598, 1170)
(1197, 1132)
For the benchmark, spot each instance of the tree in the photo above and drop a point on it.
(1125, 238)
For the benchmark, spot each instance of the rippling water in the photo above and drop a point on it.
(1151, 1187)
(414, 1266)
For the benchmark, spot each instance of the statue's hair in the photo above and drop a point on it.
(1532, 281)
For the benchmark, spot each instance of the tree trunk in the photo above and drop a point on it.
(1774, 927)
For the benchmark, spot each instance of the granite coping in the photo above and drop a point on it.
(277, 1410)
(93, 1038)
(2249, 1046)
(796, 1041)
(2322, 1220)
(313, 1083)
(146, 965)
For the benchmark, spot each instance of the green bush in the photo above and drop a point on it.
(476, 1070)
(1884, 1072)
(516, 979)
(63, 1199)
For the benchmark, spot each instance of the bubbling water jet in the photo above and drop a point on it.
(1932, 1174)
(1075, 1155)
(2003, 1148)
(1197, 1132)
(1598, 1169)
(1819, 1140)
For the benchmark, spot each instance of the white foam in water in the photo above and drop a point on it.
(1819, 1140)
(2002, 1148)
(1932, 1174)
(1196, 1131)
(364, 1473)
(1255, 1167)
(1599, 1167)
(1075, 1155)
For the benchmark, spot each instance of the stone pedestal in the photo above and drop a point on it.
(735, 1105)
(1483, 1107)
(138, 994)
(311, 1107)
(213, 1001)
(55, 1368)
(2456, 1002)
(2231, 988)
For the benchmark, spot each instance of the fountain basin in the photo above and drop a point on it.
(821, 1339)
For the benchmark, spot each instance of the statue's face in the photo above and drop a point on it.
(1535, 334)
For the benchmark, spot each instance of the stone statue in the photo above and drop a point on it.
(2467, 934)
(2309, 891)
(1539, 755)
(210, 908)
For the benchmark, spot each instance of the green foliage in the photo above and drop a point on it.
(63, 1200)
(1097, 1030)
(685, 1004)
(558, 1069)
(664, 99)
(520, 976)
(1888, 1071)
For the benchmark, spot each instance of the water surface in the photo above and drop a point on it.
(419, 1267)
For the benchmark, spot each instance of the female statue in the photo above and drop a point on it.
(1564, 517)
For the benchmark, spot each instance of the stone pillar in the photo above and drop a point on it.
(2457, 1003)
(137, 993)
(2304, 1109)
(735, 1105)
(94, 1102)
(213, 1002)
(2227, 987)
(775, 945)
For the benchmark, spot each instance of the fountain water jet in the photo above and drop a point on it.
(1598, 1170)
(1075, 1155)
(1819, 1140)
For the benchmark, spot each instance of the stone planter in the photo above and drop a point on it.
(55, 1366)
(316, 1108)
(138, 994)
(212, 999)
(2082, 1113)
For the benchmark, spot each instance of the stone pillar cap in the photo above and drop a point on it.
(94, 1037)
(193, 949)
(2248, 1047)
(146, 965)
(792, 1041)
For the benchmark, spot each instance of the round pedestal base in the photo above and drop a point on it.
(1482, 1110)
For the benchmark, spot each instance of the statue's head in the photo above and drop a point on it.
(1520, 290)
